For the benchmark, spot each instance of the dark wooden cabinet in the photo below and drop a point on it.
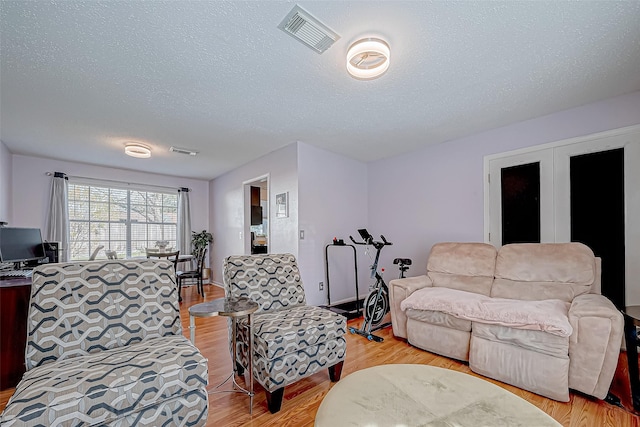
(256, 210)
(255, 196)
(14, 309)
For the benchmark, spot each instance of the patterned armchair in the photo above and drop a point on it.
(105, 346)
(291, 340)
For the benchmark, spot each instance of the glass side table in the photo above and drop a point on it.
(631, 322)
(233, 308)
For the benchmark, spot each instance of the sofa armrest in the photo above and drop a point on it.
(399, 290)
(594, 345)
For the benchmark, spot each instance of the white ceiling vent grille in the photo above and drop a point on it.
(303, 27)
(183, 151)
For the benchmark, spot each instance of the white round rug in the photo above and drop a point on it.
(422, 395)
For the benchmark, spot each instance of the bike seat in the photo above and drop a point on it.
(402, 261)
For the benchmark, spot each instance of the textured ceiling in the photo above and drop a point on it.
(78, 79)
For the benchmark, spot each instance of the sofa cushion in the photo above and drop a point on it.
(288, 331)
(536, 271)
(538, 341)
(87, 307)
(465, 266)
(112, 384)
(273, 281)
(544, 315)
(440, 319)
(439, 339)
(287, 368)
(531, 370)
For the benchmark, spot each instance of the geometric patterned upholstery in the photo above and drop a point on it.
(291, 340)
(276, 333)
(100, 391)
(105, 346)
(293, 344)
(273, 281)
(80, 308)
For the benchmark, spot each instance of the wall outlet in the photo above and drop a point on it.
(321, 286)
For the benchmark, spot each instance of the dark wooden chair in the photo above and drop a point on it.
(170, 256)
(193, 274)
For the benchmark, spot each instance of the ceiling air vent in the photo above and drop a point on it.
(183, 151)
(303, 27)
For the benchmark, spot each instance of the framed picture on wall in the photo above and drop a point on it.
(282, 205)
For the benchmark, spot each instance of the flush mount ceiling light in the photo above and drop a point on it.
(368, 58)
(135, 149)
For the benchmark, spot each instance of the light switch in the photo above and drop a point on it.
(301, 234)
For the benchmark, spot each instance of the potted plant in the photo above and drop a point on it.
(200, 241)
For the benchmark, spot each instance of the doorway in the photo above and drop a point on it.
(597, 214)
(520, 189)
(256, 216)
(583, 190)
(520, 195)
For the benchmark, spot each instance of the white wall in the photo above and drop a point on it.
(31, 188)
(226, 195)
(5, 183)
(333, 203)
(436, 194)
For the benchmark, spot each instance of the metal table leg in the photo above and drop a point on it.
(223, 307)
(234, 348)
(235, 387)
(192, 329)
(250, 321)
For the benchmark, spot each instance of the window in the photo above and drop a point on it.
(122, 220)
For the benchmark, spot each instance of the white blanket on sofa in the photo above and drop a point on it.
(546, 315)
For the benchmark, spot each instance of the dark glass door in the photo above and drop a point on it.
(520, 203)
(597, 214)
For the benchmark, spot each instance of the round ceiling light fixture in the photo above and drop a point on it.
(368, 58)
(135, 149)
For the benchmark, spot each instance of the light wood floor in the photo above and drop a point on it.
(301, 400)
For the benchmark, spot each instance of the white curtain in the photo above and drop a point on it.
(58, 216)
(184, 222)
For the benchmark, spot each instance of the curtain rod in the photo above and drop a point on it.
(98, 180)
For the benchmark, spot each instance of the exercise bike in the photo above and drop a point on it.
(376, 305)
(403, 265)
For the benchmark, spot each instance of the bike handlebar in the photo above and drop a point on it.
(370, 241)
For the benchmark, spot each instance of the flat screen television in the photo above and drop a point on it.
(20, 244)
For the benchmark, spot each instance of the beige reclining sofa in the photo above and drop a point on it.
(530, 315)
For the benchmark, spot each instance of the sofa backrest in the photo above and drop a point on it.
(79, 308)
(273, 281)
(464, 266)
(537, 271)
